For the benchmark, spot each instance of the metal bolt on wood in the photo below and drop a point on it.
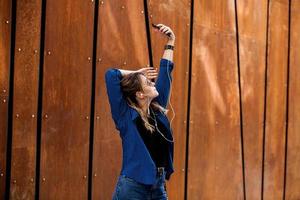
(44, 179)
(17, 115)
(46, 116)
(32, 116)
(99, 59)
(1, 174)
(49, 52)
(14, 181)
(97, 117)
(19, 49)
(4, 90)
(4, 100)
(7, 22)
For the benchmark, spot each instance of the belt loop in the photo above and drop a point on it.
(160, 171)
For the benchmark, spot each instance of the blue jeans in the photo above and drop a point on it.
(129, 189)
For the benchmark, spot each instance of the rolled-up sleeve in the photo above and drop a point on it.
(164, 81)
(118, 104)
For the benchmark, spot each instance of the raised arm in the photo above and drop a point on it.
(164, 80)
(118, 104)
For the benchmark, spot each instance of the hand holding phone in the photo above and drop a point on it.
(164, 29)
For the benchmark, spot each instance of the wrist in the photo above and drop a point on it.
(171, 42)
(168, 46)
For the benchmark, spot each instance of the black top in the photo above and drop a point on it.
(155, 143)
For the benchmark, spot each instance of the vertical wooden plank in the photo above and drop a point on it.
(276, 100)
(66, 99)
(5, 31)
(121, 43)
(252, 23)
(293, 153)
(215, 163)
(176, 15)
(26, 73)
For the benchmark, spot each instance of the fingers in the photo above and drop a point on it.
(165, 30)
(151, 73)
(152, 77)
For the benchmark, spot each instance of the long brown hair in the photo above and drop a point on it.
(130, 84)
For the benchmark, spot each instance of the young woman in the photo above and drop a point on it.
(138, 108)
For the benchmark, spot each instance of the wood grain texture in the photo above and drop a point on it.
(214, 151)
(5, 42)
(121, 43)
(66, 99)
(252, 24)
(176, 15)
(215, 163)
(293, 151)
(276, 100)
(26, 74)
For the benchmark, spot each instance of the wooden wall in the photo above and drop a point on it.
(235, 92)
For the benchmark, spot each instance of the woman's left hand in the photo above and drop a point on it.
(165, 30)
(149, 72)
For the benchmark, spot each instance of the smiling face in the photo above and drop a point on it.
(149, 89)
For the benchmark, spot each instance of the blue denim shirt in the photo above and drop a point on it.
(137, 162)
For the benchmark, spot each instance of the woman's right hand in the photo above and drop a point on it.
(149, 72)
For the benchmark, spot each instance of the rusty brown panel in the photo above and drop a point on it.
(26, 71)
(176, 15)
(293, 154)
(252, 23)
(121, 43)
(215, 162)
(276, 100)
(5, 30)
(66, 99)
